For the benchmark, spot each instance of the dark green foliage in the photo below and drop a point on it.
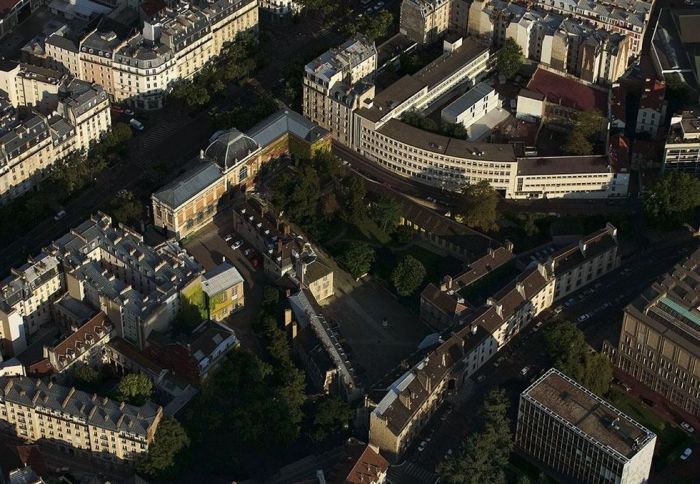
(373, 27)
(678, 93)
(160, 461)
(672, 199)
(135, 388)
(586, 129)
(485, 454)
(125, 208)
(510, 58)
(357, 259)
(355, 199)
(245, 117)
(567, 347)
(408, 275)
(386, 212)
(331, 417)
(446, 129)
(478, 207)
(86, 378)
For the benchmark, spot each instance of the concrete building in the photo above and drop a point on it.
(659, 343)
(173, 45)
(652, 108)
(424, 21)
(682, 149)
(31, 85)
(32, 145)
(77, 422)
(223, 287)
(574, 435)
(471, 106)
(81, 347)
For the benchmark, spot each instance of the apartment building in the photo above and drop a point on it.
(30, 146)
(629, 18)
(652, 108)
(580, 264)
(659, 342)
(106, 431)
(338, 82)
(682, 149)
(223, 288)
(280, 8)
(407, 403)
(314, 358)
(111, 269)
(424, 21)
(30, 85)
(575, 435)
(569, 45)
(175, 44)
(83, 346)
(471, 106)
(25, 300)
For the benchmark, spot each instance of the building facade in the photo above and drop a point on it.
(74, 421)
(682, 149)
(424, 21)
(659, 343)
(576, 435)
(223, 287)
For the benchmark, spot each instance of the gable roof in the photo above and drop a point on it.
(188, 185)
(568, 92)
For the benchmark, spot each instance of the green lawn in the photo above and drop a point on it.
(670, 441)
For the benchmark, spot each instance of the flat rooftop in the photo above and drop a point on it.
(559, 165)
(392, 97)
(444, 145)
(468, 99)
(448, 63)
(590, 414)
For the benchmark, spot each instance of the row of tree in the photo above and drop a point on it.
(446, 129)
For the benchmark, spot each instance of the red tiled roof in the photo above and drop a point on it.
(568, 92)
(41, 367)
(361, 464)
(653, 95)
(619, 153)
(85, 337)
(618, 103)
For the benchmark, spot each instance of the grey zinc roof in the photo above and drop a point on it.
(63, 43)
(90, 409)
(230, 147)
(468, 99)
(282, 122)
(188, 185)
(220, 278)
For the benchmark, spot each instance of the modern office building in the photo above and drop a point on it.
(659, 342)
(682, 149)
(471, 106)
(76, 422)
(576, 436)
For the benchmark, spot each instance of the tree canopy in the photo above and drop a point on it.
(135, 388)
(357, 259)
(386, 212)
(160, 460)
(478, 207)
(408, 275)
(372, 26)
(485, 455)
(586, 129)
(331, 418)
(672, 198)
(570, 353)
(510, 58)
(126, 208)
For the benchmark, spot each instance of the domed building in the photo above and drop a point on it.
(236, 154)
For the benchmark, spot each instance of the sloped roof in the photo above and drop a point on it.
(285, 121)
(568, 92)
(188, 185)
(220, 278)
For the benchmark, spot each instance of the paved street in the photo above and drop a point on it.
(448, 429)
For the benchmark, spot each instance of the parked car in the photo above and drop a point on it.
(136, 124)
(117, 109)
(480, 378)
(525, 370)
(647, 401)
(687, 427)
(583, 317)
(686, 453)
(59, 215)
(558, 309)
(237, 244)
(228, 238)
(538, 326)
(129, 112)
(570, 302)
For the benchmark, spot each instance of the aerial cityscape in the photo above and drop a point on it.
(350, 241)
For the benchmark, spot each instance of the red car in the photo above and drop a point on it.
(117, 109)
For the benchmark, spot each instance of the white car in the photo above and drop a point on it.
(525, 370)
(687, 427)
(59, 215)
(558, 309)
(237, 245)
(583, 317)
(228, 238)
(686, 453)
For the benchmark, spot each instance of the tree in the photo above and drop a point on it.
(373, 26)
(355, 203)
(160, 460)
(485, 454)
(589, 123)
(357, 259)
(672, 198)
(577, 144)
(331, 417)
(510, 58)
(478, 206)
(126, 208)
(567, 347)
(86, 377)
(408, 275)
(387, 212)
(530, 227)
(135, 388)
(677, 93)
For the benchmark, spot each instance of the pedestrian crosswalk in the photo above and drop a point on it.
(410, 473)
